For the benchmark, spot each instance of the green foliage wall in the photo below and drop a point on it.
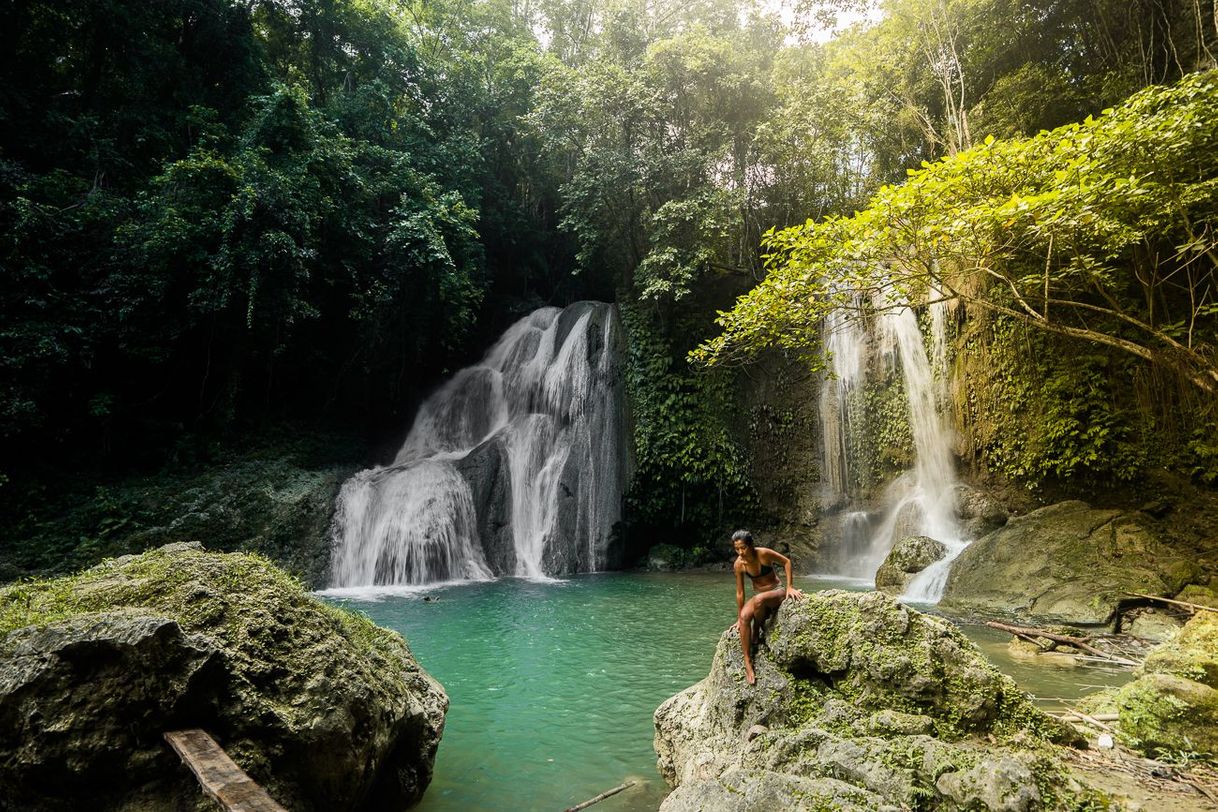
(1035, 408)
(690, 475)
(217, 213)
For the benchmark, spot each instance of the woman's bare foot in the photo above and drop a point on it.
(748, 673)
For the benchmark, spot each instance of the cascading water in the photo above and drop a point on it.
(934, 485)
(845, 345)
(921, 501)
(516, 466)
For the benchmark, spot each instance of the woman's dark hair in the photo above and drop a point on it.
(743, 535)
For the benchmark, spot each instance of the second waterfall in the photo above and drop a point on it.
(516, 466)
(920, 501)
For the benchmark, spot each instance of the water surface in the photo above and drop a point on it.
(553, 684)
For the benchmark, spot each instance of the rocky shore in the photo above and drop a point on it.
(861, 704)
(321, 707)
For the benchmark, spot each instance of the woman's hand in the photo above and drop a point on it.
(795, 594)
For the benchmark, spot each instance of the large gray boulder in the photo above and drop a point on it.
(321, 707)
(860, 703)
(1066, 563)
(907, 558)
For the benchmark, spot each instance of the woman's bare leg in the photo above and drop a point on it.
(755, 611)
(745, 625)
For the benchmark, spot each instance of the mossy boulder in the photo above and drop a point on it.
(1165, 712)
(1200, 595)
(908, 557)
(860, 703)
(1192, 653)
(1067, 563)
(321, 707)
(1172, 705)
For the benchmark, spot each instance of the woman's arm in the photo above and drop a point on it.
(739, 587)
(775, 556)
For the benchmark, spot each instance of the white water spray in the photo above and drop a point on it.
(922, 500)
(845, 344)
(516, 466)
(934, 481)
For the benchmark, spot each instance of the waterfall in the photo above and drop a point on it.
(844, 342)
(921, 501)
(934, 493)
(515, 466)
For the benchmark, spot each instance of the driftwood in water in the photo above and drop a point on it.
(1192, 607)
(1030, 633)
(607, 793)
(218, 774)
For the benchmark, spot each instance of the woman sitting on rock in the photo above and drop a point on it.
(758, 563)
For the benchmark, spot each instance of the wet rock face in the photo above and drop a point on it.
(485, 469)
(1067, 563)
(978, 512)
(860, 703)
(908, 557)
(322, 708)
(74, 696)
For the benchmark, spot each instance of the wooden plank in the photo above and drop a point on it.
(218, 774)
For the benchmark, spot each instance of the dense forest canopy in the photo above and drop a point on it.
(1100, 231)
(218, 214)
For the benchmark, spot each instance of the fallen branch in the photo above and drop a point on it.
(1107, 659)
(1098, 717)
(1193, 607)
(1028, 632)
(1091, 720)
(607, 793)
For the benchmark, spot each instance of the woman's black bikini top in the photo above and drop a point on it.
(766, 571)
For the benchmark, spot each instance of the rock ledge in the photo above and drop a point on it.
(860, 704)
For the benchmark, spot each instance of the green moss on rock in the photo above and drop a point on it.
(1164, 712)
(1193, 653)
(856, 688)
(1173, 703)
(325, 709)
